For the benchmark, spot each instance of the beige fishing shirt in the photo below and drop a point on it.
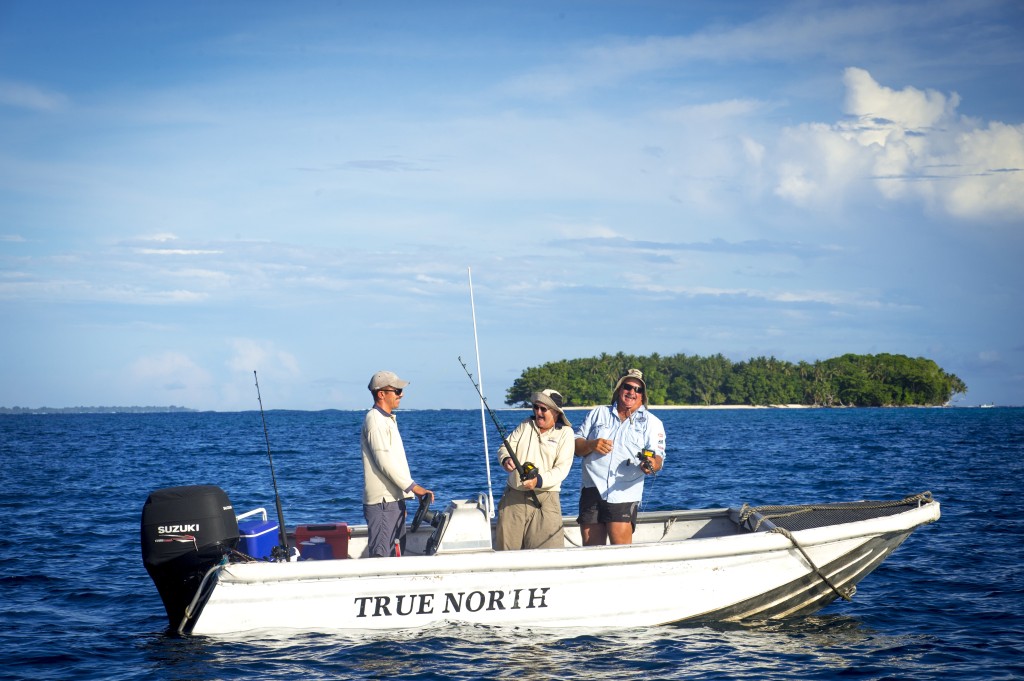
(386, 475)
(551, 452)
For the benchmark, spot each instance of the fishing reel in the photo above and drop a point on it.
(529, 472)
(646, 459)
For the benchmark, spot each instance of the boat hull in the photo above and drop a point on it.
(722, 577)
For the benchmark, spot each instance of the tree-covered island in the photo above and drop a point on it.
(882, 380)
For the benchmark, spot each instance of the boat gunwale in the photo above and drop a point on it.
(746, 543)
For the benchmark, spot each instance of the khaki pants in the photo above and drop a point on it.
(521, 525)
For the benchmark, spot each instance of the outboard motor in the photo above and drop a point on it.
(185, 532)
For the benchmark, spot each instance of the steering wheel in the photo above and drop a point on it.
(421, 512)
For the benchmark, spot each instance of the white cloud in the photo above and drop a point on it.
(996, 155)
(25, 96)
(176, 251)
(715, 112)
(753, 151)
(905, 144)
(254, 355)
(79, 290)
(790, 34)
(160, 236)
(169, 371)
(819, 165)
(990, 356)
(909, 109)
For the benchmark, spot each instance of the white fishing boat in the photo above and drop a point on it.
(723, 564)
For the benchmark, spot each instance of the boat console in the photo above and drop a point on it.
(463, 527)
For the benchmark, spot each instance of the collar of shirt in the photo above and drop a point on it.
(614, 408)
(390, 416)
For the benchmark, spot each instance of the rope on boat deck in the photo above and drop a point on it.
(779, 512)
(746, 512)
(668, 526)
(846, 592)
(246, 558)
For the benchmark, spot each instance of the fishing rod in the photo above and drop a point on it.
(280, 553)
(524, 473)
(483, 419)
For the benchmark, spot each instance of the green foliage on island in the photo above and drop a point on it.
(848, 381)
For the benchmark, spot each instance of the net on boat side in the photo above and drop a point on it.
(809, 516)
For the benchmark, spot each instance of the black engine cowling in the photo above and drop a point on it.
(185, 532)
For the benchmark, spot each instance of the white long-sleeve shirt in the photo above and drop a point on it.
(386, 475)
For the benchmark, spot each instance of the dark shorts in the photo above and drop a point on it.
(594, 510)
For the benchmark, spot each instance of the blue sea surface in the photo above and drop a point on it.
(76, 602)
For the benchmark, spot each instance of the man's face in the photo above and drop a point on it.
(391, 398)
(543, 416)
(631, 395)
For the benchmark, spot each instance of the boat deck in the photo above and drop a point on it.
(672, 526)
(652, 527)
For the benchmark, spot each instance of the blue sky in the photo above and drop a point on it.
(192, 191)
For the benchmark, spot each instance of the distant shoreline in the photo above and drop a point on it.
(94, 410)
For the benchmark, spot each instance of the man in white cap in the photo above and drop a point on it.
(387, 482)
(530, 512)
(609, 440)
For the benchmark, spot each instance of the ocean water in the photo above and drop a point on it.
(76, 602)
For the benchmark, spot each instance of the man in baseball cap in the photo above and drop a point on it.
(387, 482)
(386, 379)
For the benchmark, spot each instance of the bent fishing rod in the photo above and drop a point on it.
(279, 552)
(523, 474)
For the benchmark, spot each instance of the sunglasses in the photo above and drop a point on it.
(396, 391)
(638, 389)
(541, 408)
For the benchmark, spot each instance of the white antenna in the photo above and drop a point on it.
(480, 384)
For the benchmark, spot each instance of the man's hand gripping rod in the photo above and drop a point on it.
(501, 432)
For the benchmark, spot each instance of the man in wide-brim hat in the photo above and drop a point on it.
(530, 512)
(621, 444)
